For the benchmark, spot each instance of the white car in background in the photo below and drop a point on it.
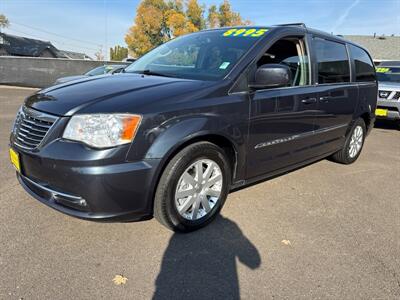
(106, 69)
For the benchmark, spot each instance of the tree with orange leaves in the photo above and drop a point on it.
(158, 21)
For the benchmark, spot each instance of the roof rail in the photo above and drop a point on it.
(293, 24)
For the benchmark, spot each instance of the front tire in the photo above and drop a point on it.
(353, 144)
(193, 187)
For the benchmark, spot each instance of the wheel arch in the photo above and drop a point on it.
(367, 120)
(366, 116)
(226, 144)
(218, 139)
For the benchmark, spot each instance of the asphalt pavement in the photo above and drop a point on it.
(325, 231)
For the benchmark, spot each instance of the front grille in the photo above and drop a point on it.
(30, 128)
(396, 96)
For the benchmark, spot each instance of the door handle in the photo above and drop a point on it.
(309, 100)
(324, 99)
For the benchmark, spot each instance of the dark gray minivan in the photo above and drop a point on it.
(195, 118)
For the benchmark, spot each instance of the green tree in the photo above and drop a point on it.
(178, 24)
(149, 29)
(176, 5)
(213, 17)
(195, 14)
(4, 22)
(227, 17)
(118, 53)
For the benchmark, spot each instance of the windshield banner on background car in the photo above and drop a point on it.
(388, 74)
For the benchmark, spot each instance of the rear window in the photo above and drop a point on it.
(332, 61)
(365, 70)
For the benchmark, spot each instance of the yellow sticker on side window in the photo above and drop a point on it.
(243, 32)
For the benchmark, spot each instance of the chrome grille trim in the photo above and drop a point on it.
(35, 123)
(31, 127)
(27, 143)
(30, 132)
(30, 138)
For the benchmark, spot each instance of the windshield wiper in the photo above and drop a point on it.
(150, 72)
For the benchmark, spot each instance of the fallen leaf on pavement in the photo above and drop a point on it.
(286, 242)
(119, 279)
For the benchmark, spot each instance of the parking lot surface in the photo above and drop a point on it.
(324, 231)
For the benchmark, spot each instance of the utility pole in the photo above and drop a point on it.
(105, 30)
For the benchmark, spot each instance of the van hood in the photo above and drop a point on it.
(70, 78)
(71, 97)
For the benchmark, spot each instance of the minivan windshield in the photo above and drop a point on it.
(207, 55)
(385, 74)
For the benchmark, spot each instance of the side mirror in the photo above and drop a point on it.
(270, 76)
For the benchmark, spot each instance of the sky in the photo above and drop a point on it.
(91, 25)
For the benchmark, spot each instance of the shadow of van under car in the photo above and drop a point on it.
(106, 69)
(388, 75)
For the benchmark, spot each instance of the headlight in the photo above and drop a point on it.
(102, 130)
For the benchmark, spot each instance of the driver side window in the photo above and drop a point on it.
(291, 52)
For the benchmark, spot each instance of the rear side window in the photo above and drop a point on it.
(365, 70)
(332, 61)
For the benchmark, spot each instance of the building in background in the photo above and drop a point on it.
(12, 45)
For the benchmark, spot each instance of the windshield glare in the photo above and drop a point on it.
(205, 55)
(391, 74)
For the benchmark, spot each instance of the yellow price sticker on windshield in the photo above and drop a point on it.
(382, 70)
(252, 32)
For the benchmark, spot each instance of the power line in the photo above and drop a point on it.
(60, 42)
(55, 34)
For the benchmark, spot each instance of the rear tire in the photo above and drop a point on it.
(193, 187)
(353, 145)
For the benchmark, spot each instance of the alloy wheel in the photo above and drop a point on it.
(199, 189)
(356, 141)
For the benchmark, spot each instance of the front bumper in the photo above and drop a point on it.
(89, 184)
(392, 106)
